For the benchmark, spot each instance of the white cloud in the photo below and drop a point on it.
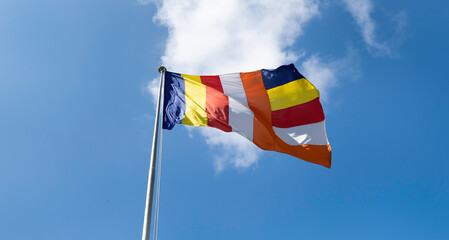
(215, 37)
(206, 37)
(233, 149)
(361, 11)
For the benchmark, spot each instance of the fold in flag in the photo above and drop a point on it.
(278, 110)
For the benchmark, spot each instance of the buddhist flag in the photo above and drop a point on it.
(278, 110)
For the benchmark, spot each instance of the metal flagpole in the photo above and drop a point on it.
(150, 187)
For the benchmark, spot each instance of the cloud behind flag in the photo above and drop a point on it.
(278, 110)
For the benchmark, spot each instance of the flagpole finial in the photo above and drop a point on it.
(162, 69)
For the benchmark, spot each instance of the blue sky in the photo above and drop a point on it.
(77, 114)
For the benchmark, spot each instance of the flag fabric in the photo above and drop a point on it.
(278, 110)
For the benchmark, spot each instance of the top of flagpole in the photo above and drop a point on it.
(162, 69)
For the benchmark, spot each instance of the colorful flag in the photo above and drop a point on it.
(278, 110)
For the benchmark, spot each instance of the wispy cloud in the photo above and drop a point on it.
(146, 2)
(152, 88)
(325, 73)
(361, 11)
(400, 22)
(214, 37)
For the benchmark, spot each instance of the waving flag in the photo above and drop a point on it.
(279, 110)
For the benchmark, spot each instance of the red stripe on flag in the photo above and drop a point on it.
(217, 104)
(212, 81)
(306, 113)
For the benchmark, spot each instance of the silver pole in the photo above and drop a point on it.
(150, 187)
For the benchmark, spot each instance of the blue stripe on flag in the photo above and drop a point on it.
(174, 100)
(280, 76)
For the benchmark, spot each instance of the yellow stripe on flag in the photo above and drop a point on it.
(291, 94)
(195, 93)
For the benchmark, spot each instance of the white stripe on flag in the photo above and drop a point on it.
(312, 134)
(241, 119)
(233, 87)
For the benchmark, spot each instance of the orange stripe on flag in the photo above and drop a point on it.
(319, 154)
(259, 103)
